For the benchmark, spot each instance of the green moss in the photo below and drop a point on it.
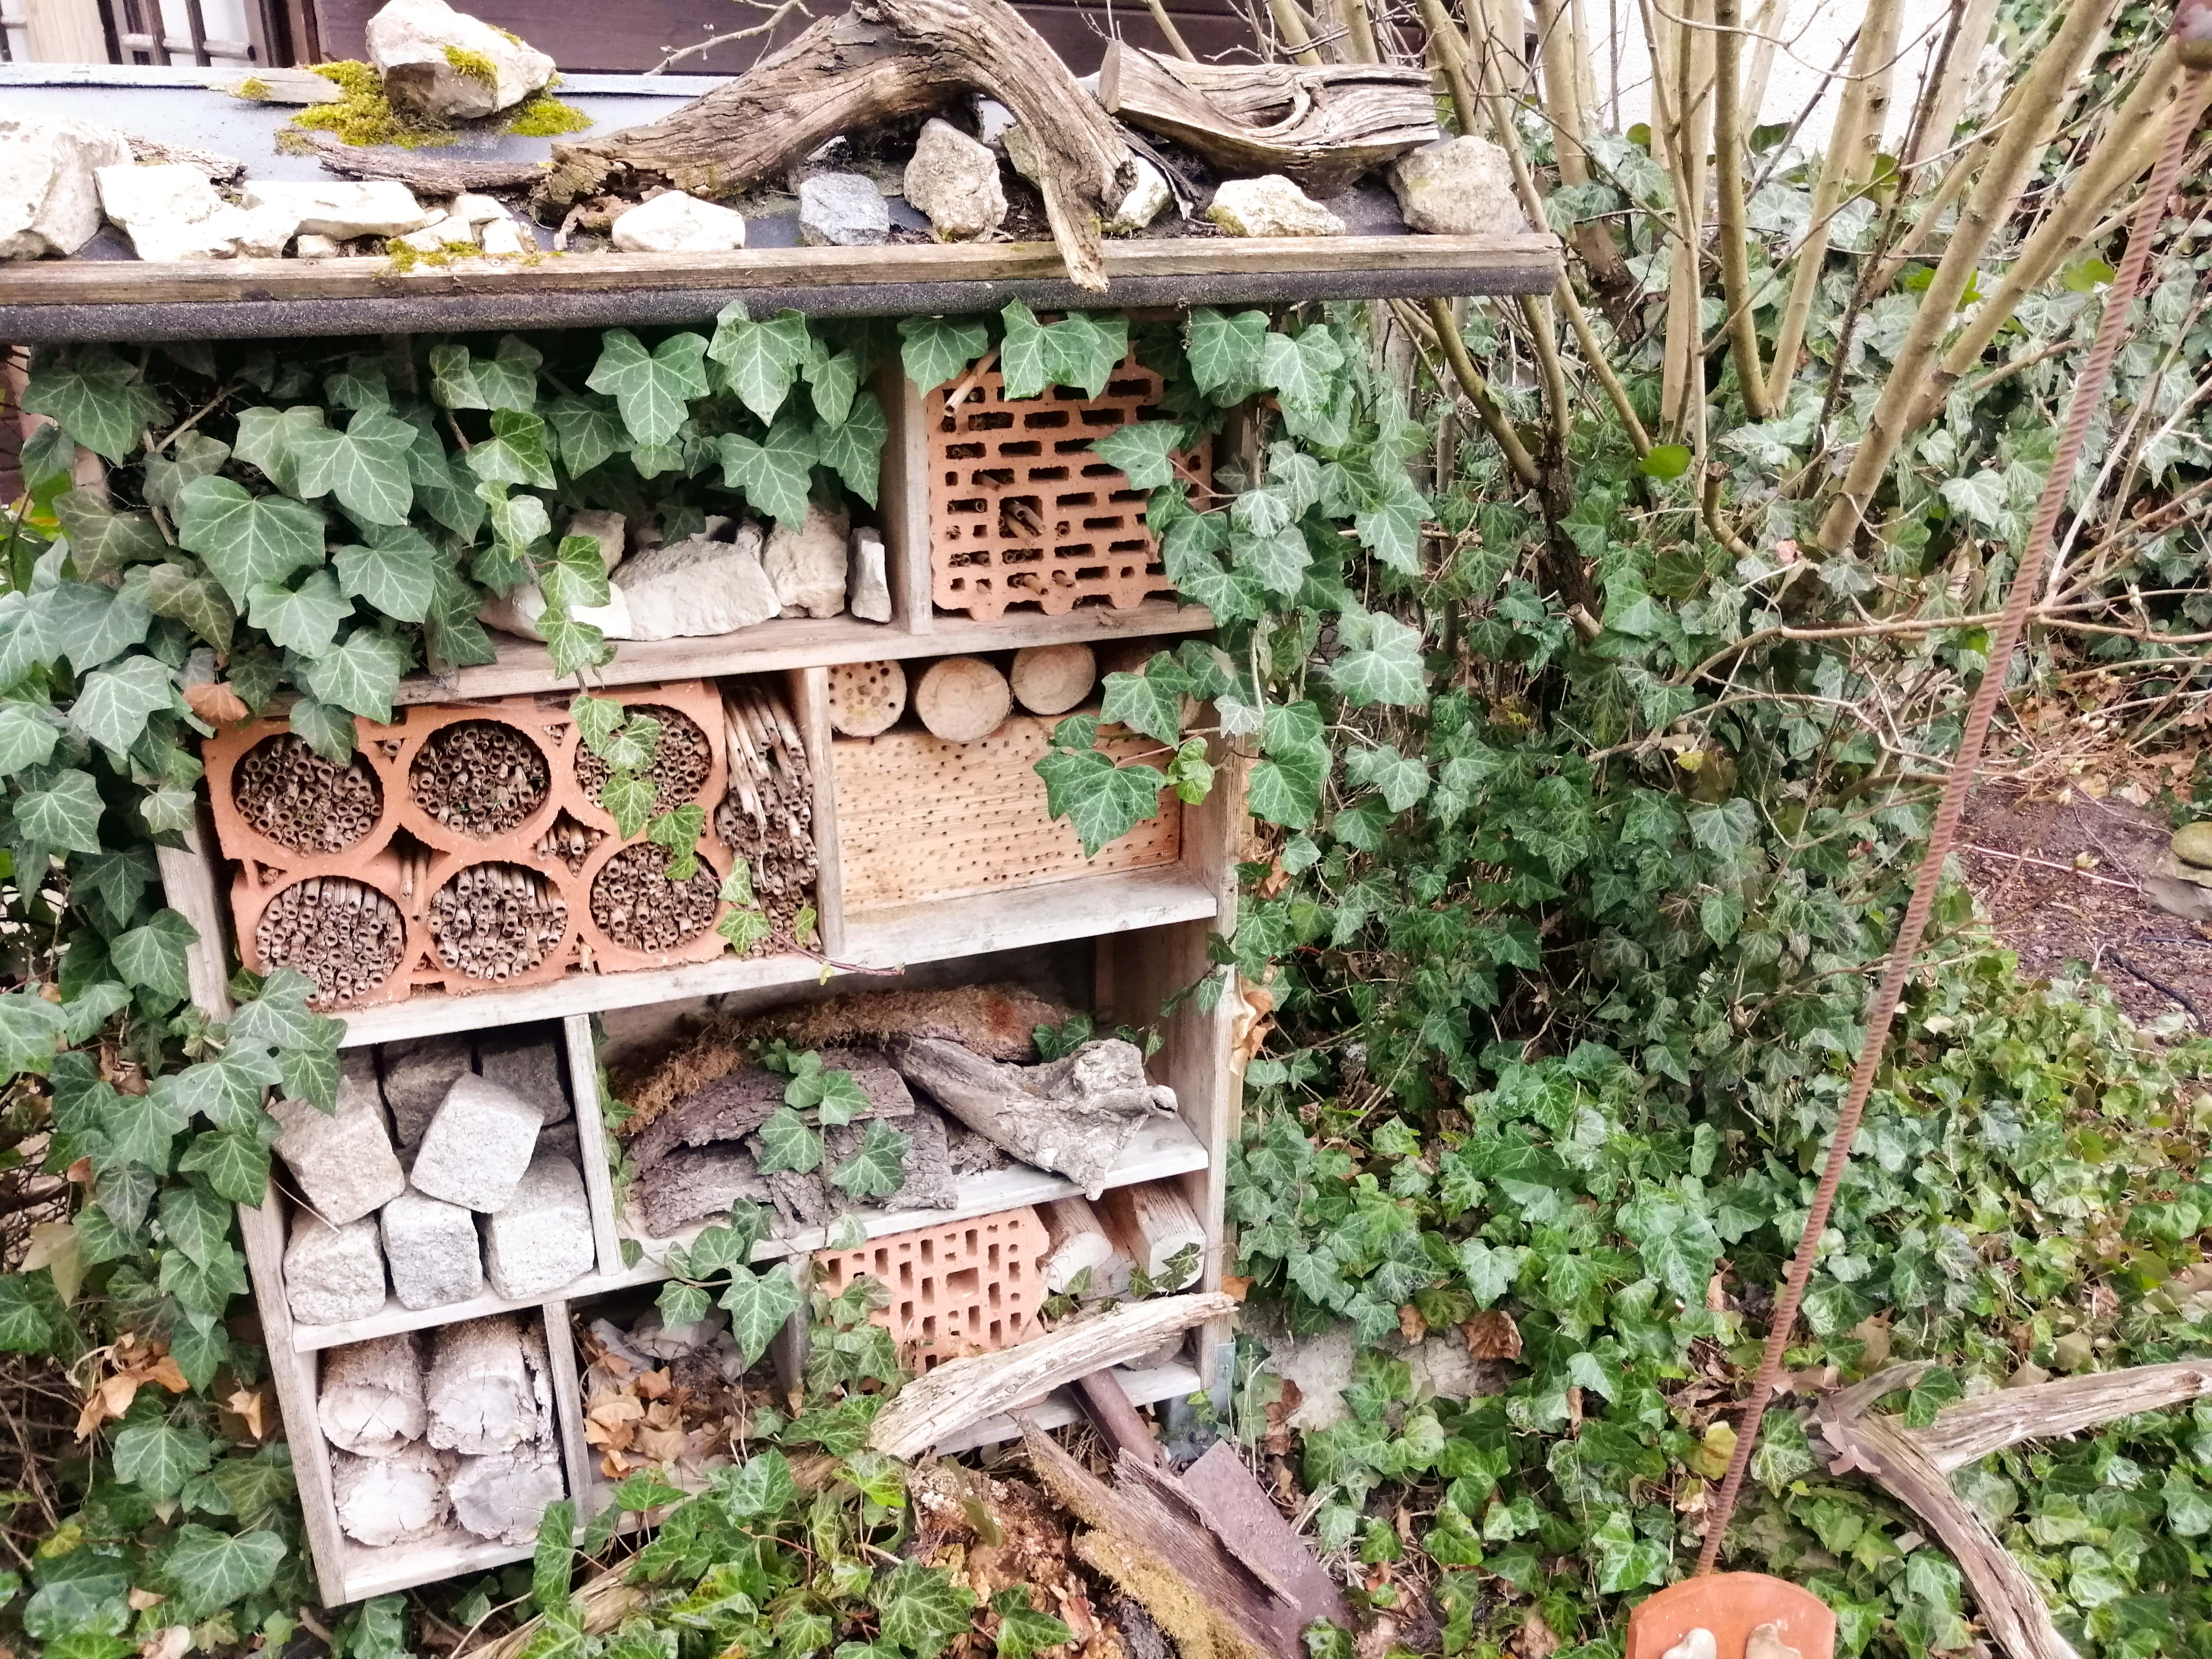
(546, 118)
(253, 87)
(364, 115)
(474, 64)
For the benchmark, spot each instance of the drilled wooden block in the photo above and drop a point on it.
(1021, 512)
(919, 818)
(966, 1287)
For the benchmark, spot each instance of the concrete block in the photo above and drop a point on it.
(527, 1063)
(542, 1238)
(477, 1146)
(416, 1074)
(343, 1159)
(431, 1248)
(332, 1274)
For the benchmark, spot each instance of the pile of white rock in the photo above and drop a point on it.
(490, 1188)
(733, 574)
(463, 1432)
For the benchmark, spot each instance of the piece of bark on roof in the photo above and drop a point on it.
(732, 1107)
(424, 174)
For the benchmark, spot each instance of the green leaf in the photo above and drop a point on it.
(652, 389)
(1380, 662)
(758, 1303)
(28, 735)
(1391, 529)
(515, 453)
(922, 1607)
(1102, 801)
(1080, 351)
(444, 486)
(396, 571)
(453, 377)
(788, 1143)
(833, 380)
(1665, 461)
(936, 350)
(90, 623)
(328, 730)
(1226, 353)
(1022, 1629)
(113, 705)
(196, 1222)
(587, 432)
(196, 600)
(247, 539)
(196, 455)
(745, 929)
(103, 541)
(265, 440)
(1141, 452)
(160, 1456)
(61, 811)
(760, 361)
(854, 449)
(1301, 369)
(554, 1563)
(761, 1487)
(153, 957)
(304, 619)
(1403, 782)
(877, 1168)
(1145, 702)
(214, 1569)
(25, 1325)
(366, 466)
(681, 1303)
(362, 676)
(627, 798)
(97, 399)
(1724, 827)
(773, 472)
(508, 380)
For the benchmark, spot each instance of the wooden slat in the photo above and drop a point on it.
(592, 1137)
(904, 491)
(568, 1404)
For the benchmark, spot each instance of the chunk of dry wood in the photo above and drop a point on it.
(960, 1392)
(1051, 679)
(481, 1394)
(1078, 1245)
(372, 1397)
(398, 1499)
(961, 699)
(866, 698)
(1156, 1229)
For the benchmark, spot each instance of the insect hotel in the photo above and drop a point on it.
(742, 458)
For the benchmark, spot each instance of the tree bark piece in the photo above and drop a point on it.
(400, 1499)
(961, 699)
(481, 1393)
(866, 698)
(882, 61)
(1081, 1244)
(1321, 126)
(1051, 679)
(732, 1107)
(1156, 1229)
(371, 1403)
(964, 1391)
(1073, 1116)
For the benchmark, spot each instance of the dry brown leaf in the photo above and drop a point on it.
(1574, 1411)
(653, 1385)
(1535, 1639)
(1235, 1286)
(248, 1405)
(1411, 1325)
(660, 1445)
(214, 702)
(1491, 1334)
(1716, 1293)
(174, 1643)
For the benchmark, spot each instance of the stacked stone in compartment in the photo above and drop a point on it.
(463, 1158)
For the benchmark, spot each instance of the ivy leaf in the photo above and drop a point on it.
(773, 472)
(1402, 780)
(923, 1608)
(328, 730)
(198, 601)
(508, 378)
(833, 379)
(1381, 663)
(362, 676)
(97, 400)
(515, 453)
(787, 1143)
(587, 432)
(196, 1221)
(760, 361)
(90, 623)
(103, 541)
(444, 486)
(763, 1486)
(652, 389)
(854, 449)
(1725, 828)
(627, 798)
(61, 811)
(1141, 452)
(936, 350)
(1300, 369)
(113, 705)
(311, 1073)
(214, 1569)
(366, 466)
(554, 1563)
(453, 377)
(681, 1303)
(1078, 351)
(1226, 353)
(1102, 801)
(1145, 703)
(877, 1168)
(159, 1457)
(265, 440)
(745, 929)
(758, 1303)
(304, 619)
(1278, 561)
(1022, 1629)
(30, 1026)
(28, 735)
(247, 539)
(1391, 529)
(25, 1325)
(235, 1160)
(395, 570)
(152, 957)
(596, 720)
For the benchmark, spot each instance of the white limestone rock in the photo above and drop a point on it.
(503, 239)
(430, 1246)
(342, 209)
(1143, 203)
(807, 565)
(517, 612)
(49, 195)
(868, 588)
(842, 209)
(309, 246)
(478, 1147)
(672, 222)
(542, 1238)
(1271, 206)
(332, 1274)
(475, 209)
(610, 530)
(419, 46)
(343, 1159)
(697, 587)
(262, 233)
(955, 181)
(171, 212)
(1459, 186)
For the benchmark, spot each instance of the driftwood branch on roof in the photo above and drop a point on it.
(1914, 1466)
(426, 175)
(1321, 126)
(881, 61)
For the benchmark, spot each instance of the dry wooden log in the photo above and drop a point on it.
(482, 1394)
(504, 1496)
(964, 1391)
(1322, 126)
(1080, 1245)
(882, 61)
(866, 698)
(961, 699)
(371, 1403)
(398, 1499)
(1073, 1116)
(423, 175)
(1051, 679)
(1157, 1230)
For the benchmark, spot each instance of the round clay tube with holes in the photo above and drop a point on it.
(1051, 679)
(866, 698)
(961, 699)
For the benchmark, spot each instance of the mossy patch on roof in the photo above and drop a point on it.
(541, 117)
(365, 115)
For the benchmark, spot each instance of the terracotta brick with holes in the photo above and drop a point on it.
(965, 1287)
(1021, 512)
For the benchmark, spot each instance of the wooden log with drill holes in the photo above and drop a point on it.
(1051, 679)
(866, 698)
(961, 699)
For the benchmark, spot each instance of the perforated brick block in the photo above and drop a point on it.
(1021, 512)
(965, 1287)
